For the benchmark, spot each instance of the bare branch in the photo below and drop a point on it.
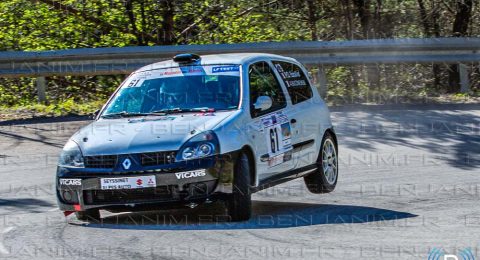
(448, 7)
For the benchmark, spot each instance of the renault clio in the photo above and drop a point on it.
(196, 129)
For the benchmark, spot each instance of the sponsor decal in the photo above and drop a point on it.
(291, 74)
(219, 69)
(278, 134)
(71, 182)
(127, 183)
(192, 70)
(279, 68)
(190, 174)
(295, 83)
(170, 72)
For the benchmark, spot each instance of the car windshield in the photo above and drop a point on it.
(177, 89)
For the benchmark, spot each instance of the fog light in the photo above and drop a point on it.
(67, 196)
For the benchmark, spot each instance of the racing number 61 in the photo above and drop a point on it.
(274, 140)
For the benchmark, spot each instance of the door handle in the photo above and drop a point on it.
(293, 120)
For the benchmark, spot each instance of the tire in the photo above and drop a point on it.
(88, 215)
(239, 204)
(324, 179)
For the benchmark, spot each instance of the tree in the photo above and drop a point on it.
(460, 29)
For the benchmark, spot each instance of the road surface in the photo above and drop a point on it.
(409, 185)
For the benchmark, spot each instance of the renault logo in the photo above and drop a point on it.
(126, 164)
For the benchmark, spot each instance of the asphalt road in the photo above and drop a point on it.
(409, 184)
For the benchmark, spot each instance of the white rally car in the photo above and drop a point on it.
(199, 128)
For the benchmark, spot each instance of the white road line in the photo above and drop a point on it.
(3, 249)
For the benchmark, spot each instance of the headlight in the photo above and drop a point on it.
(199, 146)
(71, 156)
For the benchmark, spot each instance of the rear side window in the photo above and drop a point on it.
(263, 82)
(295, 80)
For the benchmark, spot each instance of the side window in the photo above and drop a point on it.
(263, 82)
(295, 80)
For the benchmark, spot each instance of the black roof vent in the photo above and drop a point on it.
(186, 58)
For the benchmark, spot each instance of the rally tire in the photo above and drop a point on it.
(88, 215)
(324, 179)
(239, 204)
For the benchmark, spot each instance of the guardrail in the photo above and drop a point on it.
(110, 61)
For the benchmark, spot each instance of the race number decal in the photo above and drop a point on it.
(278, 135)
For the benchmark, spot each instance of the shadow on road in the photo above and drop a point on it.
(26, 204)
(451, 135)
(267, 214)
(44, 120)
(20, 138)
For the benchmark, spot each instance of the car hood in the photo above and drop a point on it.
(144, 134)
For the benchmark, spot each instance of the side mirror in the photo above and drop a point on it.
(263, 103)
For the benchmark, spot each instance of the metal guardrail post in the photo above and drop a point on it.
(464, 80)
(41, 83)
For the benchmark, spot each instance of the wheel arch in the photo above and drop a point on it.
(253, 170)
(334, 136)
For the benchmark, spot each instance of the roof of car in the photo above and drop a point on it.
(227, 58)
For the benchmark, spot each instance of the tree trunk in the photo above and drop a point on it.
(312, 19)
(167, 22)
(427, 31)
(379, 26)
(364, 14)
(460, 29)
(348, 18)
(424, 18)
(349, 31)
(363, 11)
(133, 21)
(437, 70)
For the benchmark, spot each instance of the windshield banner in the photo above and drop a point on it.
(210, 70)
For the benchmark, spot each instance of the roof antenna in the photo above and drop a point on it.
(186, 58)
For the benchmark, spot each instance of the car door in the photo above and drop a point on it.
(305, 121)
(271, 127)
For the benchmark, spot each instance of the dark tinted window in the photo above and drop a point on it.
(295, 80)
(263, 82)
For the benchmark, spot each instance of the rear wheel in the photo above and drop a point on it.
(88, 215)
(239, 205)
(324, 179)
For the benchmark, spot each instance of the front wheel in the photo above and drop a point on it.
(239, 204)
(324, 179)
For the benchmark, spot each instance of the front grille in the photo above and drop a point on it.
(100, 161)
(146, 159)
(157, 158)
(160, 193)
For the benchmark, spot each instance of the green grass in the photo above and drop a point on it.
(68, 107)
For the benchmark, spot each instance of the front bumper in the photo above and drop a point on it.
(82, 189)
